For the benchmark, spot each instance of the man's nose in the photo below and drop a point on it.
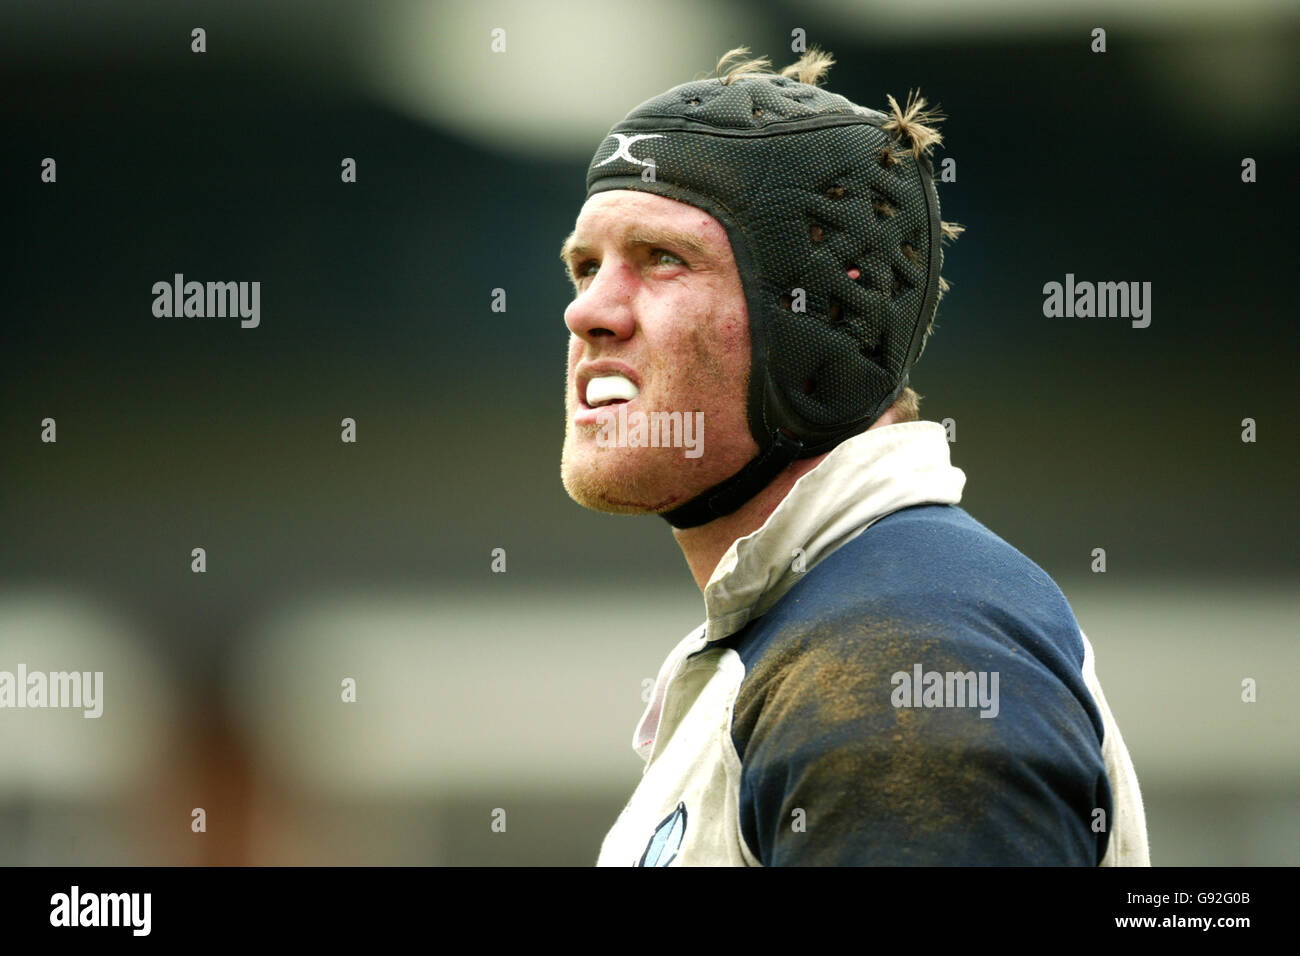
(604, 308)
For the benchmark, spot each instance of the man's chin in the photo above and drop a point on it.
(594, 489)
(613, 500)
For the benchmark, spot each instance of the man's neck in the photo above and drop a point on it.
(704, 546)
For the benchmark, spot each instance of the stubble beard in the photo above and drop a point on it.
(640, 480)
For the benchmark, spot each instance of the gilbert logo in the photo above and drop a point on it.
(102, 909)
(624, 141)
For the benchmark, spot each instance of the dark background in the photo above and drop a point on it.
(329, 559)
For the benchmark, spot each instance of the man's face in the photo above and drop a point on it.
(658, 301)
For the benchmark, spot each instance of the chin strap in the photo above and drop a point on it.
(727, 496)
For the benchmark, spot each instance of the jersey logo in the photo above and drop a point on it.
(667, 840)
(624, 141)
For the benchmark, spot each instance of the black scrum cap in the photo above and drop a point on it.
(836, 233)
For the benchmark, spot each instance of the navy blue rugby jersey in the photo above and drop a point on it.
(881, 680)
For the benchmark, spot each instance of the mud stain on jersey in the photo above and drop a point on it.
(817, 707)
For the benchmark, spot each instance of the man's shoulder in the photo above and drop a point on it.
(929, 587)
(926, 568)
(932, 553)
(866, 690)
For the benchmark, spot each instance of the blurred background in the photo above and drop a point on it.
(519, 691)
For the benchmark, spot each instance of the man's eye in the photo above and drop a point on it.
(660, 254)
(584, 270)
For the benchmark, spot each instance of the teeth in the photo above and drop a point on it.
(608, 388)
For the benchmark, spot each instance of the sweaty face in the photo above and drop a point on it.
(658, 326)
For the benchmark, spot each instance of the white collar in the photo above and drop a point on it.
(863, 479)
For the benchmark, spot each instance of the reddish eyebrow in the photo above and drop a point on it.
(641, 236)
(571, 248)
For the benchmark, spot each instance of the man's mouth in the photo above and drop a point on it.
(610, 390)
